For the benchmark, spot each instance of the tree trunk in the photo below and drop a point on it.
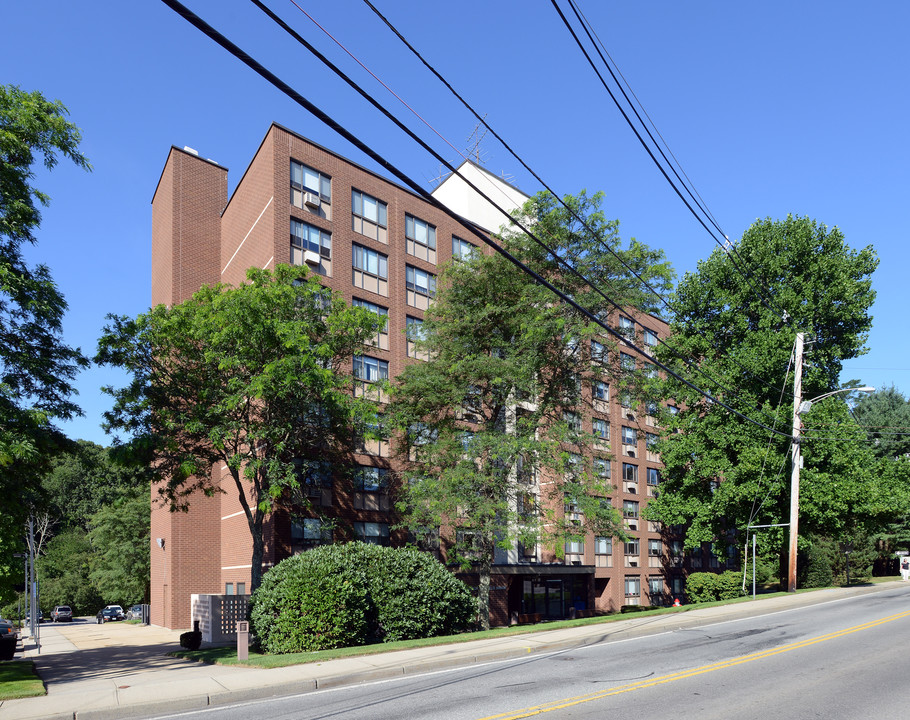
(483, 588)
(258, 550)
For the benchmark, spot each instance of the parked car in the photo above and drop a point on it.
(111, 612)
(134, 613)
(62, 613)
(8, 639)
(7, 628)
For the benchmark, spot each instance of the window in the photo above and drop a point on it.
(630, 508)
(651, 407)
(633, 585)
(655, 585)
(650, 441)
(631, 547)
(421, 434)
(382, 336)
(420, 238)
(370, 479)
(653, 477)
(309, 187)
(572, 420)
(601, 390)
(421, 286)
(655, 548)
(369, 216)
(629, 436)
(309, 243)
(370, 261)
(625, 399)
(229, 588)
(573, 465)
(650, 337)
(371, 270)
(311, 532)
(650, 370)
(413, 336)
(673, 410)
(626, 362)
(372, 532)
(370, 369)
(241, 588)
(575, 548)
(626, 326)
(598, 351)
(630, 472)
(462, 249)
(603, 545)
(676, 548)
(601, 429)
(314, 473)
(602, 468)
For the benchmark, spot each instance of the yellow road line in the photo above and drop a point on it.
(682, 674)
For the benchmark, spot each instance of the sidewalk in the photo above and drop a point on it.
(116, 670)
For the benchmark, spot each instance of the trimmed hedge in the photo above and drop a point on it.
(342, 595)
(707, 587)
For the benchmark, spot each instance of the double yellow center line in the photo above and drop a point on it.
(681, 675)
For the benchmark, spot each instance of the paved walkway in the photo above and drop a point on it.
(117, 670)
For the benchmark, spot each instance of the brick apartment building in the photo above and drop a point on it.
(379, 246)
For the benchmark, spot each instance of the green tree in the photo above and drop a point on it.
(886, 416)
(63, 574)
(256, 378)
(86, 478)
(493, 446)
(36, 367)
(737, 315)
(120, 538)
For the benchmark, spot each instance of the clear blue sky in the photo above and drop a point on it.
(772, 108)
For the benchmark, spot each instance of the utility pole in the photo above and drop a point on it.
(797, 461)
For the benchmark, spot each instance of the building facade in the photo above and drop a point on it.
(381, 247)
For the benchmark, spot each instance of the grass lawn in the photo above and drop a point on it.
(227, 655)
(18, 680)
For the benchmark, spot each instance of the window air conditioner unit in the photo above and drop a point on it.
(310, 257)
(311, 199)
(630, 453)
(633, 563)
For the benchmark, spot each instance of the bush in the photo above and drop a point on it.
(342, 595)
(708, 587)
(634, 608)
(191, 640)
(813, 568)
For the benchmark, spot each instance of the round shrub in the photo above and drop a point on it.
(342, 595)
(707, 587)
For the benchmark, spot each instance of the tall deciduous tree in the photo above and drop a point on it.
(36, 367)
(886, 416)
(256, 378)
(737, 316)
(121, 540)
(493, 440)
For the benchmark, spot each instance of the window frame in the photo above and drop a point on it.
(411, 273)
(382, 208)
(323, 248)
(322, 178)
(382, 261)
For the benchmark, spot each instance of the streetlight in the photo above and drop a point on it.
(800, 406)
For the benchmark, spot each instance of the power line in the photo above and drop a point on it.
(726, 245)
(688, 362)
(330, 122)
(560, 260)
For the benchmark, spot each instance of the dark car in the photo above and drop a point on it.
(62, 613)
(111, 612)
(8, 639)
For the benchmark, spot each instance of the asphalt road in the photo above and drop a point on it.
(839, 660)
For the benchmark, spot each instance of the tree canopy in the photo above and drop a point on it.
(256, 378)
(734, 322)
(496, 441)
(36, 367)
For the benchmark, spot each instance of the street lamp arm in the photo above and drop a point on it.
(806, 405)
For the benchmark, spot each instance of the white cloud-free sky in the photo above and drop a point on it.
(771, 108)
